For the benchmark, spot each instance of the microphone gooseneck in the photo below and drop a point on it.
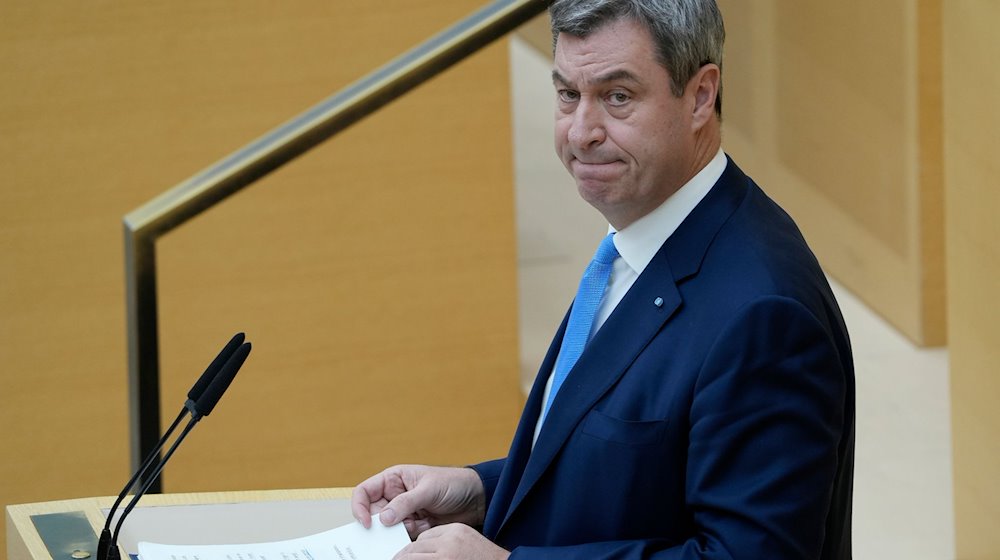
(202, 398)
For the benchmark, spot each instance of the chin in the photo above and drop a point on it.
(597, 194)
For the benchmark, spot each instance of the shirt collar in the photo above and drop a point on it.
(638, 243)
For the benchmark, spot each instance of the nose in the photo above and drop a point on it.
(587, 128)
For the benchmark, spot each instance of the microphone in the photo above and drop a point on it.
(213, 368)
(201, 407)
(202, 397)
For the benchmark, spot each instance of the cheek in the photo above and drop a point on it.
(561, 136)
(628, 139)
(562, 124)
(657, 143)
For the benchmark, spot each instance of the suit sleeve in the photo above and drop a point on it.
(766, 419)
(489, 473)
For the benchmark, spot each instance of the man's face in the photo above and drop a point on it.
(620, 131)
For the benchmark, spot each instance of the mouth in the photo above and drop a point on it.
(596, 169)
(595, 161)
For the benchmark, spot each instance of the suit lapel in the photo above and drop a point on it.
(520, 448)
(647, 306)
(627, 331)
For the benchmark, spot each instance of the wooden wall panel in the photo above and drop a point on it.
(838, 117)
(375, 275)
(971, 87)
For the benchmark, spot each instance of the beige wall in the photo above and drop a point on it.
(375, 275)
(838, 116)
(972, 119)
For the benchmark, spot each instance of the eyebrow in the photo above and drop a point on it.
(613, 76)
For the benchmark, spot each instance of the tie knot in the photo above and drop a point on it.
(606, 251)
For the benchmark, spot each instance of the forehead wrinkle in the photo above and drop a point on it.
(617, 75)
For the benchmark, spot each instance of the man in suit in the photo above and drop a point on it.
(706, 409)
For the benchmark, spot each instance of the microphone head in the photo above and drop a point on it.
(213, 368)
(204, 405)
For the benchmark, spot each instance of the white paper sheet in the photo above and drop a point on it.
(349, 542)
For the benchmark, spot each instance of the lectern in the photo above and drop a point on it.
(68, 529)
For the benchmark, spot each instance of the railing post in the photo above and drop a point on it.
(143, 347)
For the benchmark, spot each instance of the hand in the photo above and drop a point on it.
(421, 497)
(452, 542)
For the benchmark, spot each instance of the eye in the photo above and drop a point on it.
(618, 98)
(568, 95)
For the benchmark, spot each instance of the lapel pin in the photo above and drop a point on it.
(658, 302)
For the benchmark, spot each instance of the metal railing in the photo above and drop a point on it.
(188, 199)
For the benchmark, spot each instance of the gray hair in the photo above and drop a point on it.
(688, 34)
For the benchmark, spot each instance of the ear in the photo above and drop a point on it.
(705, 87)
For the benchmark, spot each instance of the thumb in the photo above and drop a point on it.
(403, 506)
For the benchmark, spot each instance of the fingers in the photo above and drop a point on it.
(417, 525)
(361, 503)
(420, 496)
(435, 532)
(404, 505)
(424, 546)
(395, 494)
(451, 541)
(369, 497)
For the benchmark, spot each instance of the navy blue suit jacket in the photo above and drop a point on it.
(719, 424)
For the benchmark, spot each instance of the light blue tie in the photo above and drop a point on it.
(581, 317)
